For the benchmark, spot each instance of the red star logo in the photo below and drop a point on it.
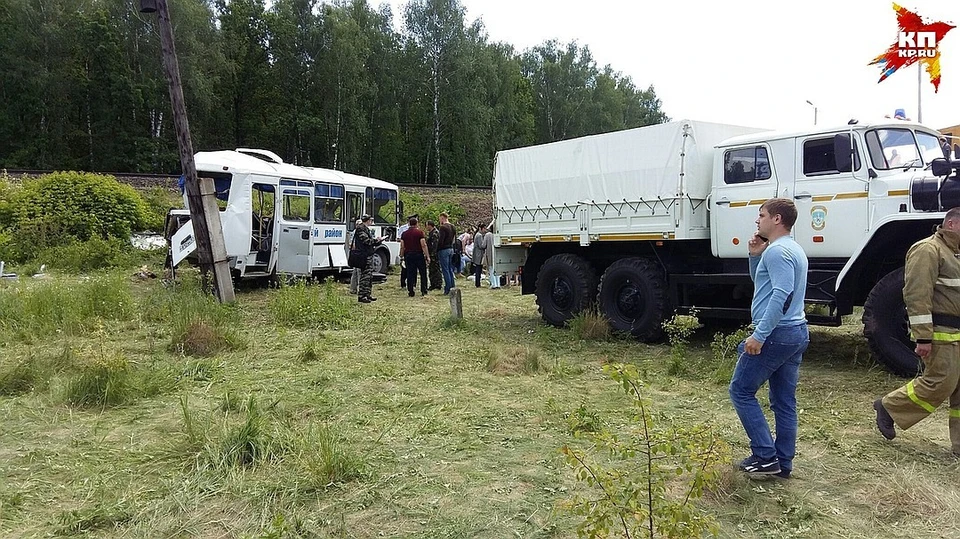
(913, 45)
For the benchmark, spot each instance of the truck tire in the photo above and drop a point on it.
(885, 326)
(566, 285)
(633, 298)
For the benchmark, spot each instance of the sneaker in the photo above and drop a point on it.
(756, 465)
(884, 421)
(410, 294)
(363, 299)
(784, 474)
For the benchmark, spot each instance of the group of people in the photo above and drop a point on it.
(435, 252)
(773, 352)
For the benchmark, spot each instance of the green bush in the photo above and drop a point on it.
(58, 208)
(158, 201)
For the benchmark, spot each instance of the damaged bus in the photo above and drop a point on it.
(279, 218)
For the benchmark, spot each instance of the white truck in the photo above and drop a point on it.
(644, 222)
(279, 218)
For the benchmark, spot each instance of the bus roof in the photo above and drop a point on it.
(244, 163)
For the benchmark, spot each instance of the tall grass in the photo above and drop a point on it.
(243, 436)
(198, 325)
(300, 306)
(34, 309)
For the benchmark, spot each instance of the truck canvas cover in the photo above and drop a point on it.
(663, 161)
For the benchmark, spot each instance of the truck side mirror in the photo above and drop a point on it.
(941, 167)
(843, 152)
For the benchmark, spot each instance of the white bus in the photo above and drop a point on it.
(280, 218)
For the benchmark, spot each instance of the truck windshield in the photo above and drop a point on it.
(900, 148)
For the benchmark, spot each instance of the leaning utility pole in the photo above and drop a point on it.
(204, 213)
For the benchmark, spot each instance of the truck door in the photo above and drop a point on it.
(295, 222)
(831, 204)
(746, 180)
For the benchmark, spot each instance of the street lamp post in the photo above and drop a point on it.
(814, 111)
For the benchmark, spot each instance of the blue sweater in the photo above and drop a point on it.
(779, 285)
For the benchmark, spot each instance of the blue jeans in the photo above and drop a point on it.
(779, 363)
(446, 267)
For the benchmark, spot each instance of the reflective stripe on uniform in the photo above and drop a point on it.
(921, 319)
(948, 282)
(916, 400)
(954, 413)
(943, 336)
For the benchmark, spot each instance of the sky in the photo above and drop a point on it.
(746, 62)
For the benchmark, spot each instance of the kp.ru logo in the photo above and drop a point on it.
(917, 41)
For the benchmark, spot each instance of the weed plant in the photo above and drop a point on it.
(679, 328)
(301, 306)
(199, 326)
(514, 360)
(106, 381)
(724, 347)
(253, 437)
(590, 325)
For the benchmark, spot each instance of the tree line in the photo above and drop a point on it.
(326, 84)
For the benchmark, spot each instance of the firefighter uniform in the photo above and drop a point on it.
(932, 294)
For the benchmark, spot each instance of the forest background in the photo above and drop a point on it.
(324, 84)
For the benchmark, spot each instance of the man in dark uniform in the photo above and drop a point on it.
(433, 245)
(368, 243)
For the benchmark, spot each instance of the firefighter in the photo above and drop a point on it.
(931, 291)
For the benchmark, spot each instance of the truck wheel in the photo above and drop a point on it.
(381, 261)
(633, 297)
(885, 326)
(566, 285)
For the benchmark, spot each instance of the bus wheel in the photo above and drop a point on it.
(566, 285)
(633, 297)
(381, 261)
(885, 326)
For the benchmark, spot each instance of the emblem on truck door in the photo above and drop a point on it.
(818, 217)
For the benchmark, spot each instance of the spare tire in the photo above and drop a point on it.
(886, 329)
(633, 297)
(566, 285)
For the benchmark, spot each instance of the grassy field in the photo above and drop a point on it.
(138, 409)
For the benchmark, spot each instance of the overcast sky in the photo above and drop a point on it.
(746, 62)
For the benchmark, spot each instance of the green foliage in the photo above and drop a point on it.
(70, 220)
(199, 326)
(106, 381)
(679, 328)
(257, 437)
(652, 477)
(309, 353)
(158, 201)
(35, 309)
(724, 349)
(414, 203)
(78, 256)
(590, 325)
(302, 306)
(80, 205)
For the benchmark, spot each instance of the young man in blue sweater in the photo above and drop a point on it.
(778, 267)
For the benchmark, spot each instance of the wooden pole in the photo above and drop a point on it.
(203, 209)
